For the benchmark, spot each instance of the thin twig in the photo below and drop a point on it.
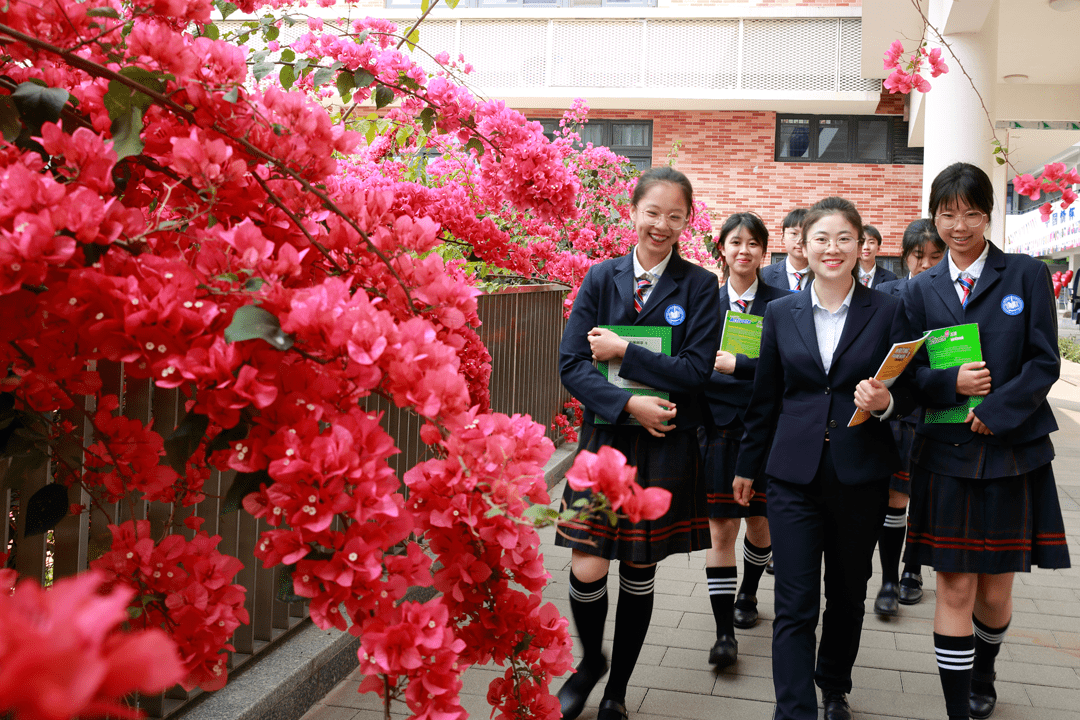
(416, 24)
(296, 221)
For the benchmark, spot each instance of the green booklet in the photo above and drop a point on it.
(654, 338)
(949, 347)
(741, 334)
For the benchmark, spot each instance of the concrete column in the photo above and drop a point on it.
(957, 128)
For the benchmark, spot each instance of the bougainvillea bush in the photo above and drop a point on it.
(168, 202)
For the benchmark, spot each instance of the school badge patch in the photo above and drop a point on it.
(675, 314)
(1012, 305)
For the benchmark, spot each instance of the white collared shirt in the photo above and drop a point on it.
(864, 274)
(829, 326)
(652, 274)
(747, 297)
(974, 270)
(793, 284)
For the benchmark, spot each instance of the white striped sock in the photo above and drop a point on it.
(756, 558)
(896, 521)
(576, 594)
(989, 638)
(722, 586)
(954, 659)
(636, 587)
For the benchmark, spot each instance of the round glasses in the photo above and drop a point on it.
(675, 222)
(971, 219)
(844, 245)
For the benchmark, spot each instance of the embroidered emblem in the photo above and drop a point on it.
(1012, 305)
(675, 314)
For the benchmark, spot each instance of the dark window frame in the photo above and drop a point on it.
(630, 152)
(851, 156)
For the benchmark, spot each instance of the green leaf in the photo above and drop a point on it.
(362, 78)
(345, 84)
(225, 8)
(243, 485)
(184, 441)
(424, 5)
(261, 70)
(272, 33)
(287, 76)
(38, 105)
(372, 131)
(232, 95)
(451, 4)
(250, 322)
(414, 37)
(383, 96)
(10, 124)
(541, 514)
(1000, 161)
(476, 145)
(997, 149)
(287, 55)
(45, 508)
(258, 56)
(211, 31)
(127, 133)
(254, 284)
(427, 119)
(103, 12)
(322, 76)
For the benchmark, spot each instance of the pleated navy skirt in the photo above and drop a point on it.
(721, 454)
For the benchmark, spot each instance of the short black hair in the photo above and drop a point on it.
(834, 206)
(962, 181)
(794, 218)
(871, 231)
(663, 174)
(919, 234)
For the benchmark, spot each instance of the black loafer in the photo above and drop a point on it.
(724, 652)
(612, 710)
(983, 696)
(887, 603)
(770, 569)
(910, 588)
(745, 611)
(836, 706)
(575, 691)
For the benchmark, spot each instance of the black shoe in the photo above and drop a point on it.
(770, 569)
(724, 652)
(745, 611)
(575, 691)
(612, 710)
(887, 603)
(983, 696)
(836, 705)
(910, 588)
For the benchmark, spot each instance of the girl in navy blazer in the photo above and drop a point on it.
(826, 483)
(652, 286)
(983, 501)
(743, 240)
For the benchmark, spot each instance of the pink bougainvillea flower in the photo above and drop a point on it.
(893, 54)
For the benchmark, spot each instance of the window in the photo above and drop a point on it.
(630, 138)
(531, 3)
(844, 139)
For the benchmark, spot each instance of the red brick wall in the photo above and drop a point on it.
(728, 155)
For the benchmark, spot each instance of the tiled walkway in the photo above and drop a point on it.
(895, 677)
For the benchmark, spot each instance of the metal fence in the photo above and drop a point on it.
(521, 329)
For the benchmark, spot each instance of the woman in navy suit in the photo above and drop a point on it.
(826, 483)
(652, 286)
(743, 240)
(983, 501)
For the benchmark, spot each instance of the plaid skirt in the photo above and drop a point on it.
(989, 526)
(721, 454)
(904, 432)
(673, 463)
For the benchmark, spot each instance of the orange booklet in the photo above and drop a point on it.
(891, 368)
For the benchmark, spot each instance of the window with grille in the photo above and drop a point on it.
(844, 139)
(531, 3)
(630, 138)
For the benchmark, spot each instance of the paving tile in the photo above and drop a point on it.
(323, 712)
(1058, 698)
(689, 706)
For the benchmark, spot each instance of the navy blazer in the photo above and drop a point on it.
(795, 403)
(776, 275)
(1013, 303)
(892, 287)
(686, 298)
(882, 275)
(728, 395)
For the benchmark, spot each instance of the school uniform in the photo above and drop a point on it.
(782, 275)
(686, 298)
(826, 483)
(878, 275)
(903, 427)
(988, 503)
(728, 397)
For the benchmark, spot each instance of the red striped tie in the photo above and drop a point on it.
(865, 280)
(742, 305)
(968, 283)
(798, 279)
(643, 284)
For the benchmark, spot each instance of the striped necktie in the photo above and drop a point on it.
(742, 305)
(967, 281)
(865, 280)
(798, 279)
(643, 284)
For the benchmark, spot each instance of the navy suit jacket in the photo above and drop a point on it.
(728, 395)
(606, 297)
(795, 402)
(892, 287)
(1019, 346)
(776, 275)
(882, 275)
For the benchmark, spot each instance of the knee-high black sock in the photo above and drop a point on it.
(987, 643)
(588, 605)
(632, 616)
(955, 656)
(891, 544)
(722, 597)
(913, 568)
(754, 561)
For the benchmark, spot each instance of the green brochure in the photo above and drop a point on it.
(654, 338)
(741, 334)
(950, 347)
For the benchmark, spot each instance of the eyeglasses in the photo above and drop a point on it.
(674, 222)
(972, 219)
(844, 245)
